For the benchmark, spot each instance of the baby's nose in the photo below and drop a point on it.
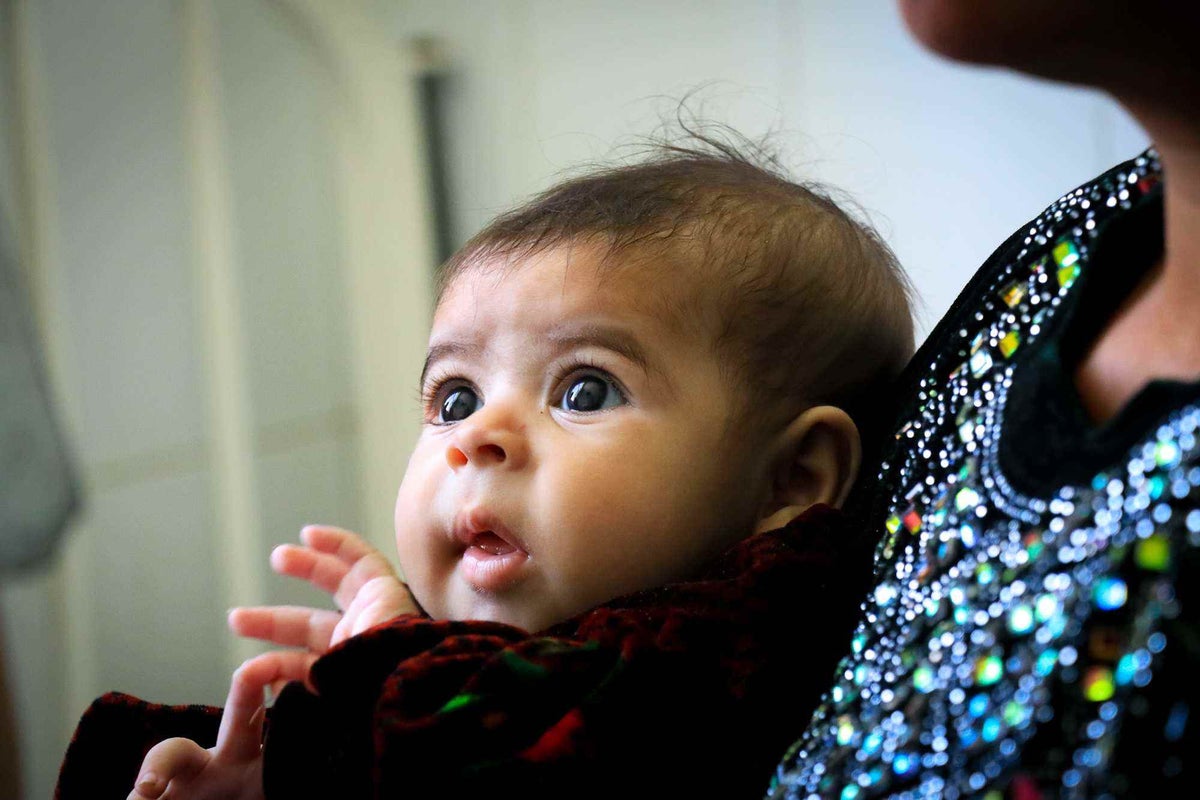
(456, 455)
(488, 439)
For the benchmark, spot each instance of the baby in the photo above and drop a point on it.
(638, 389)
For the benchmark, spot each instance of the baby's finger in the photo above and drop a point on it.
(323, 570)
(330, 572)
(240, 735)
(171, 759)
(346, 545)
(370, 567)
(291, 626)
(381, 599)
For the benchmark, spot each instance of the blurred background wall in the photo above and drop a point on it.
(228, 212)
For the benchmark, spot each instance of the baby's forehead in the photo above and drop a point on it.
(633, 282)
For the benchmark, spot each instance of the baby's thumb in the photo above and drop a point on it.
(172, 759)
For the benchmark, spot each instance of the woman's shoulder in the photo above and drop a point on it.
(1009, 304)
(1014, 613)
(1053, 244)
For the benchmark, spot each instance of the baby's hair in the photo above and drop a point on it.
(806, 305)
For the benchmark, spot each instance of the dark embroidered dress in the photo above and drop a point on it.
(1032, 632)
(690, 688)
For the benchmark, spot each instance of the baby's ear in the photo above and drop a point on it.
(818, 456)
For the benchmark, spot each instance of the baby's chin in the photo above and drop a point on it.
(531, 621)
(522, 607)
(481, 607)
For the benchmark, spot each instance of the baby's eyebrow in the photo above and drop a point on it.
(444, 350)
(604, 336)
(590, 335)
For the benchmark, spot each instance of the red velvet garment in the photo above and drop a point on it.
(692, 687)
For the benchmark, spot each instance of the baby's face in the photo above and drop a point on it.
(572, 450)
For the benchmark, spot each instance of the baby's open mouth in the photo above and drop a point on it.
(490, 543)
(493, 559)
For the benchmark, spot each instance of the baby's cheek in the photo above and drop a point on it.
(627, 510)
(408, 548)
(617, 497)
(429, 602)
(427, 571)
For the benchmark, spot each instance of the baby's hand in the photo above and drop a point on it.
(176, 769)
(359, 577)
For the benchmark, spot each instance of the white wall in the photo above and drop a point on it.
(948, 160)
(227, 246)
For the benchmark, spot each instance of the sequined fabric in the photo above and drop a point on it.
(1013, 637)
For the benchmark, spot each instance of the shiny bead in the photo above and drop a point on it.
(988, 670)
(1153, 553)
(1020, 619)
(1110, 593)
(1098, 684)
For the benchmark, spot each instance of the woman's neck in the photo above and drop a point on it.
(1155, 334)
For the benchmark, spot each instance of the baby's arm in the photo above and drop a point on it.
(364, 586)
(359, 577)
(179, 768)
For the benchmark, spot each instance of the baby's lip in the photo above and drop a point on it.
(478, 527)
(492, 559)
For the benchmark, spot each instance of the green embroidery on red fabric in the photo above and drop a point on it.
(521, 666)
(458, 701)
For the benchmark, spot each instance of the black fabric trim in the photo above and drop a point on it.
(1049, 440)
(870, 496)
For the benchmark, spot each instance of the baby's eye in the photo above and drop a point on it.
(591, 393)
(458, 404)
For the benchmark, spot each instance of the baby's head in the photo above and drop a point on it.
(635, 371)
